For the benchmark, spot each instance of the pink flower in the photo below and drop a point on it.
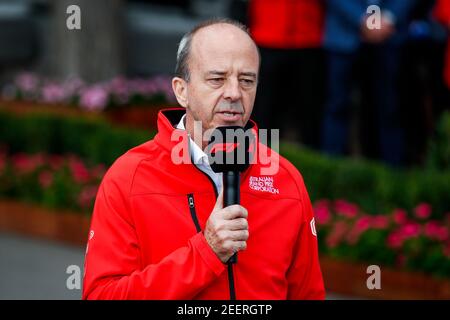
(119, 88)
(23, 163)
(53, 93)
(353, 236)
(322, 212)
(410, 230)
(363, 223)
(337, 234)
(380, 222)
(150, 87)
(72, 86)
(423, 211)
(400, 216)
(79, 170)
(142, 87)
(395, 240)
(346, 209)
(87, 196)
(436, 231)
(332, 242)
(27, 81)
(45, 179)
(94, 98)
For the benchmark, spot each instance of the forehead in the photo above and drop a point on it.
(223, 46)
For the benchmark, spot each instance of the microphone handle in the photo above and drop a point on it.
(231, 195)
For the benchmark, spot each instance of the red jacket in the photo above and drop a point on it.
(442, 14)
(144, 244)
(287, 24)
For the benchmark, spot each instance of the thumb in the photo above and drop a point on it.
(219, 201)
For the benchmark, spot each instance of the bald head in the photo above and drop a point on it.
(217, 75)
(214, 34)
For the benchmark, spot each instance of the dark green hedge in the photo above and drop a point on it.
(376, 188)
(93, 139)
(439, 150)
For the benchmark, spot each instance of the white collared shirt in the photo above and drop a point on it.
(200, 158)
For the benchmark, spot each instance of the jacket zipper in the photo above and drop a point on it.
(193, 213)
(231, 283)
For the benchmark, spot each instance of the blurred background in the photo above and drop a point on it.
(363, 114)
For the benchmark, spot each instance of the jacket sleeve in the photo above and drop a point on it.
(350, 10)
(304, 275)
(113, 269)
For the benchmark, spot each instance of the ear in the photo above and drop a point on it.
(179, 87)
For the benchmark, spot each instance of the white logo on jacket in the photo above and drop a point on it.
(263, 184)
(313, 227)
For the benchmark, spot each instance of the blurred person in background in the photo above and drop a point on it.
(442, 14)
(422, 87)
(346, 32)
(289, 35)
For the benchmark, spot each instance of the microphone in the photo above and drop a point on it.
(229, 153)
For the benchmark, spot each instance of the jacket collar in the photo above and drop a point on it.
(168, 120)
(168, 139)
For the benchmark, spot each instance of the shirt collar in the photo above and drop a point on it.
(198, 156)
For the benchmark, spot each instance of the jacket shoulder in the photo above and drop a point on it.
(292, 173)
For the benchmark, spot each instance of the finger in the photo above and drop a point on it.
(237, 224)
(234, 211)
(240, 235)
(240, 245)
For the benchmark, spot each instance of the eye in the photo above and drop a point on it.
(216, 81)
(247, 82)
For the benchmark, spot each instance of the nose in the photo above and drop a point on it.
(232, 90)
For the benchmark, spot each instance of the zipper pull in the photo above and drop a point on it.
(191, 201)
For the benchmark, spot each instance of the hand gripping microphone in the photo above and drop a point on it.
(229, 153)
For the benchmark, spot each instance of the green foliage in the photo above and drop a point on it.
(51, 181)
(376, 188)
(439, 150)
(92, 139)
(391, 239)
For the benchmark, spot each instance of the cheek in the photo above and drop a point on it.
(249, 100)
(201, 103)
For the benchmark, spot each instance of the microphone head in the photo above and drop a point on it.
(230, 149)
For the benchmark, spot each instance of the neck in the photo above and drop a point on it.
(195, 131)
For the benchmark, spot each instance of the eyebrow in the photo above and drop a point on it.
(248, 74)
(222, 73)
(216, 73)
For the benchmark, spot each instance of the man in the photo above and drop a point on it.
(159, 230)
(346, 30)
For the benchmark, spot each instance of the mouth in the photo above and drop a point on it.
(230, 116)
